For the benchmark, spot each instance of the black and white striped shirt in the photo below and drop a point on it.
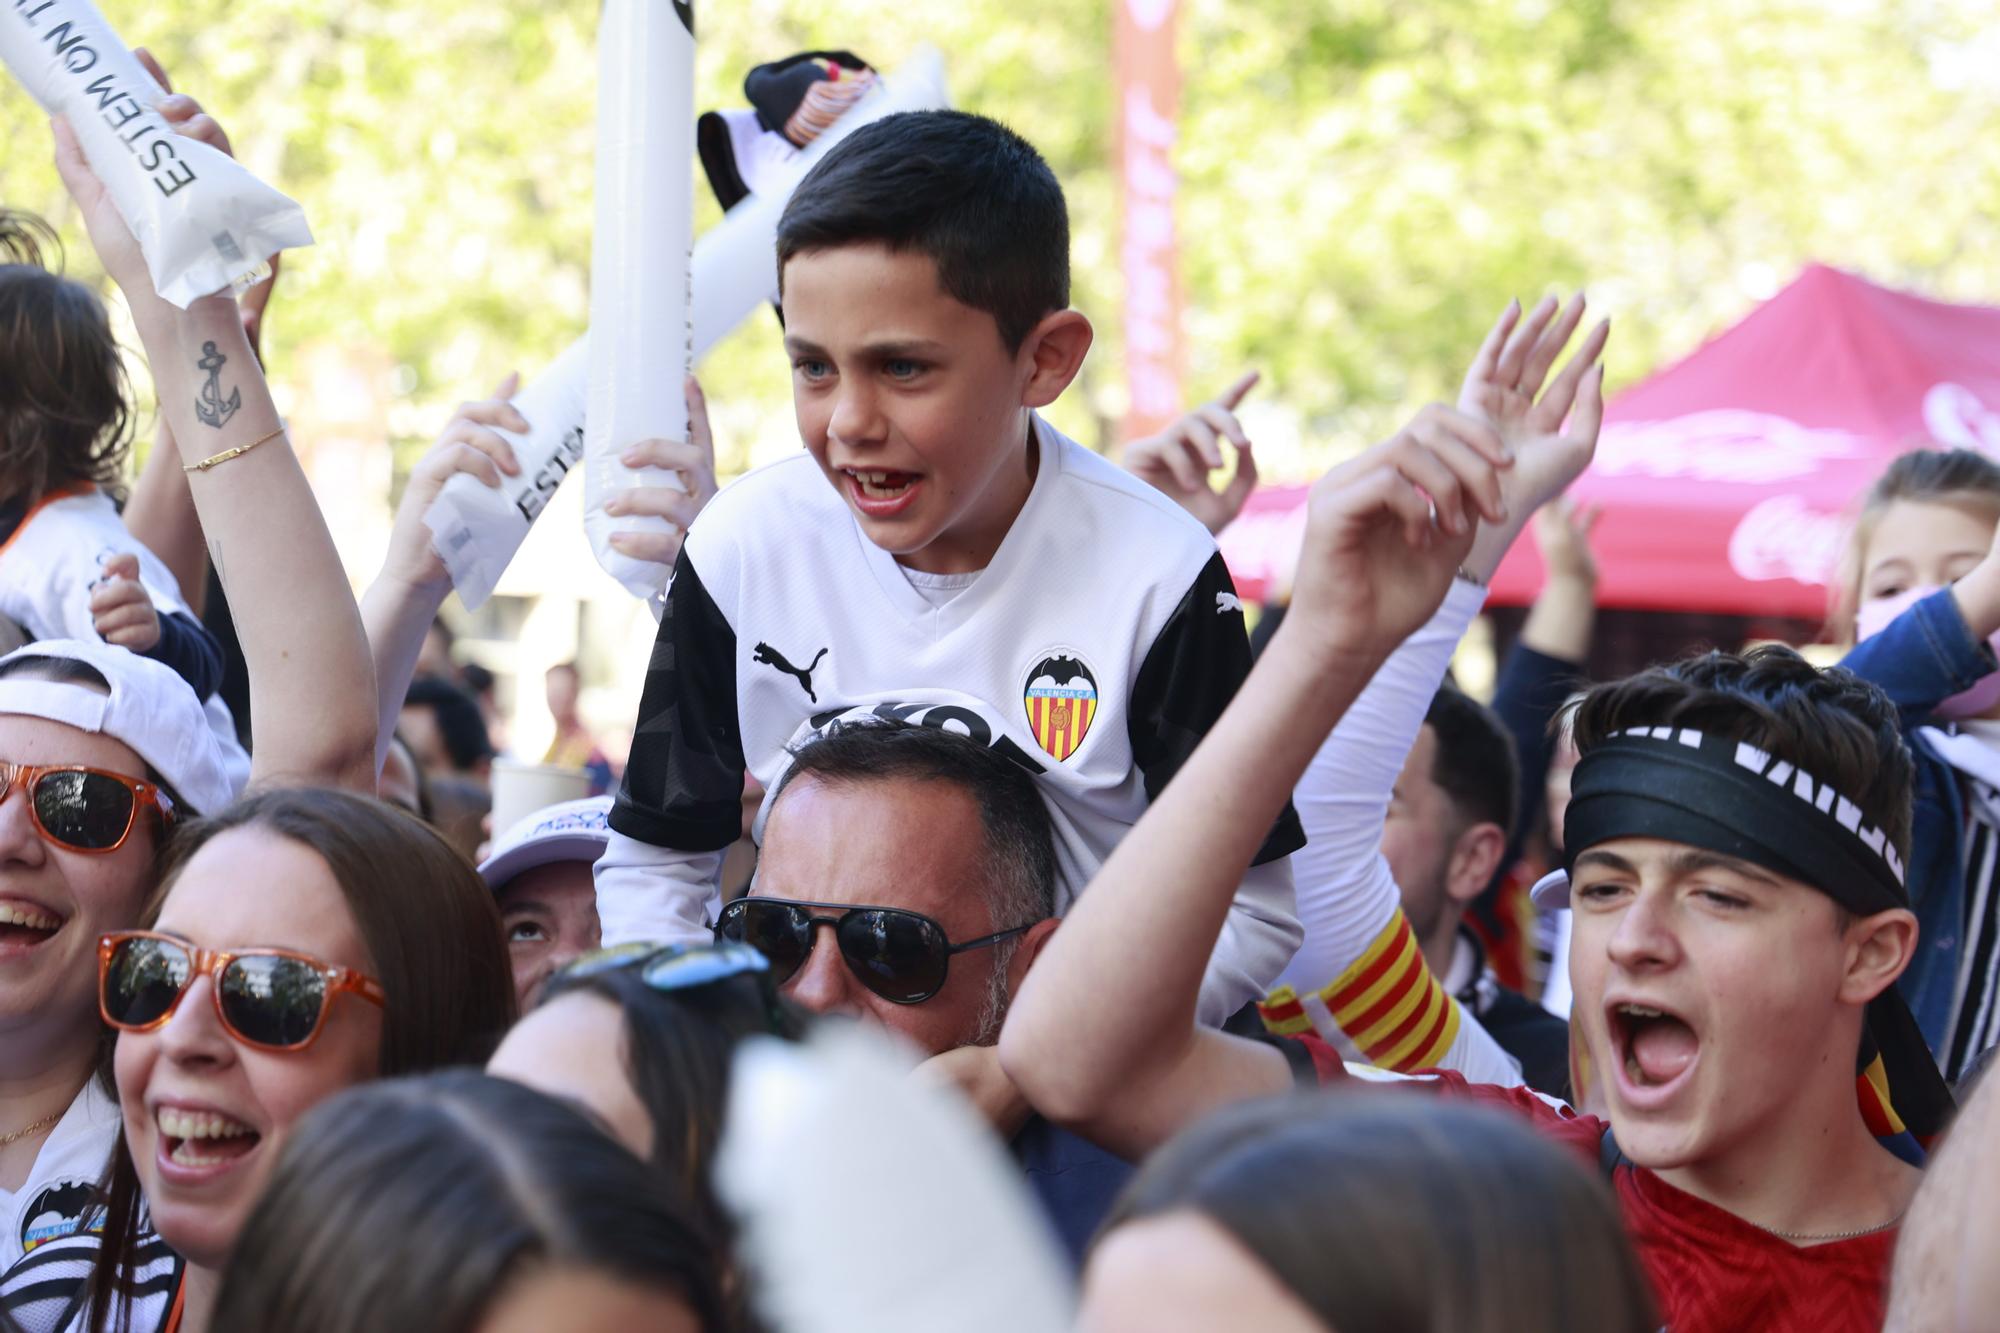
(1975, 1010)
(47, 1292)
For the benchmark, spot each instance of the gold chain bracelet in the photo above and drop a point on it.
(227, 454)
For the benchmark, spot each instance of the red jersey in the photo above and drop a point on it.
(1712, 1272)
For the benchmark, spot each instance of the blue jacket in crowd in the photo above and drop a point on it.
(1925, 656)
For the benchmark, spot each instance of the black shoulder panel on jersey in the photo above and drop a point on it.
(683, 783)
(1189, 676)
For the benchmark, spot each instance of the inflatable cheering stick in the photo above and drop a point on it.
(639, 309)
(916, 1174)
(477, 529)
(204, 223)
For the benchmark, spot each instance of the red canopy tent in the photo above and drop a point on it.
(1727, 479)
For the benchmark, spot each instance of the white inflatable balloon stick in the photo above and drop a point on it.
(639, 307)
(916, 1174)
(477, 529)
(204, 223)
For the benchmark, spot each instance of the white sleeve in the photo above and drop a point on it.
(65, 596)
(1258, 938)
(655, 894)
(1348, 901)
(1556, 994)
(1345, 892)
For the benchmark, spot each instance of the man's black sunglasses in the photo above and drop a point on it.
(901, 956)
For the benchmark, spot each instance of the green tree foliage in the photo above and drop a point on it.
(1365, 182)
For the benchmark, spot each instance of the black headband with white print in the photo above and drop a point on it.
(1730, 797)
(1681, 785)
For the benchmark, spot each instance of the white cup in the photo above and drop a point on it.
(519, 790)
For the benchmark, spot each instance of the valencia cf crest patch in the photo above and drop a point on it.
(58, 1211)
(1061, 699)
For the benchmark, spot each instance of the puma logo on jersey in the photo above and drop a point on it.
(765, 655)
(1225, 602)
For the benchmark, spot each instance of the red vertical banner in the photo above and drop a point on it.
(1149, 100)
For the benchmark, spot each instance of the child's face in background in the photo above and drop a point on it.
(1920, 544)
(910, 402)
(1916, 548)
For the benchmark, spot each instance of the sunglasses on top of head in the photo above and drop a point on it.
(272, 999)
(685, 967)
(901, 956)
(83, 809)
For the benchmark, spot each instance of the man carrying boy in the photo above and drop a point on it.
(938, 554)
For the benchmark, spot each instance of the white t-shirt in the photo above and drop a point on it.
(65, 1175)
(48, 565)
(46, 1256)
(1096, 648)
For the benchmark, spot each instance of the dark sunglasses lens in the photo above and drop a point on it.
(85, 810)
(143, 979)
(779, 931)
(899, 955)
(272, 1001)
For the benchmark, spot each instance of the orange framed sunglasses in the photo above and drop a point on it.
(83, 809)
(272, 999)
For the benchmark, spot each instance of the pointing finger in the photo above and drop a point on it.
(1235, 392)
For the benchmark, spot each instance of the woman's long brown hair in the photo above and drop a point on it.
(434, 941)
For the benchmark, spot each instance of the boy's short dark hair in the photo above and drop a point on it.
(967, 191)
(1475, 762)
(1833, 724)
(65, 404)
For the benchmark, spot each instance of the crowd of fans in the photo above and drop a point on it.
(1237, 961)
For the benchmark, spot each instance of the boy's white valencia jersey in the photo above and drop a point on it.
(1097, 648)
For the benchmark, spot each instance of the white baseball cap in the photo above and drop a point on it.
(150, 708)
(567, 831)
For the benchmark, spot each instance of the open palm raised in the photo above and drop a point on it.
(1505, 387)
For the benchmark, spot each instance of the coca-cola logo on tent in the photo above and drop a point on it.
(1957, 419)
(1722, 445)
(1785, 537)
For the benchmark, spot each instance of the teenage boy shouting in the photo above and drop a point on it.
(937, 554)
(1736, 837)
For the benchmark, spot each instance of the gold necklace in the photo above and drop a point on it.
(26, 1130)
(1834, 1235)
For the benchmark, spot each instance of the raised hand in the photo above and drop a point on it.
(470, 442)
(1505, 388)
(187, 117)
(120, 610)
(1978, 593)
(117, 249)
(1386, 531)
(694, 460)
(1179, 459)
(1562, 531)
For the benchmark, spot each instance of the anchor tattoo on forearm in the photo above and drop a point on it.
(210, 406)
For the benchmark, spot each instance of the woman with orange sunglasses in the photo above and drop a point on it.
(304, 942)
